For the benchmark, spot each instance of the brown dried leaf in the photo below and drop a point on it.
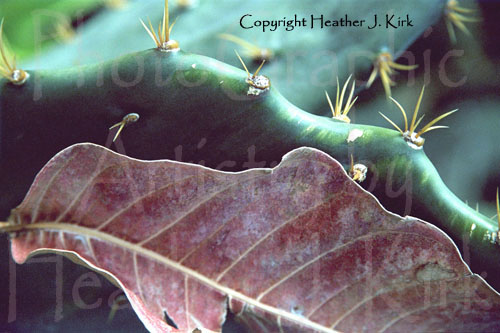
(300, 247)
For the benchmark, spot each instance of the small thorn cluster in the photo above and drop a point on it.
(128, 119)
(340, 111)
(8, 68)
(385, 67)
(456, 17)
(162, 39)
(258, 83)
(410, 135)
(357, 171)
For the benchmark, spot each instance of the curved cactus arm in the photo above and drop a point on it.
(198, 109)
(304, 61)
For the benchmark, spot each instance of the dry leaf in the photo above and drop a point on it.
(300, 247)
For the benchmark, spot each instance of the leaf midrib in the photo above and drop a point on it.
(92, 233)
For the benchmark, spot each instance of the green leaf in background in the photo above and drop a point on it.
(30, 24)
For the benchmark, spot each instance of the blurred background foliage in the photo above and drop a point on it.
(30, 25)
(463, 75)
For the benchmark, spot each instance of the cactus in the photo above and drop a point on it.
(306, 61)
(202, 98)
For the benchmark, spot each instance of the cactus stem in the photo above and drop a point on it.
(8, 69)
(413, 138)
(251, 50)
(128, 119)
(454, 18)
(386, 67)
(162, 40)
(286, 127)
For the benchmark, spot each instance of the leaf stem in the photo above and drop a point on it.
(6, 227)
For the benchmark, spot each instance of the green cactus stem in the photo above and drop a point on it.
(197, 109)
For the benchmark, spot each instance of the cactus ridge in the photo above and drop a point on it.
(183, 99)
